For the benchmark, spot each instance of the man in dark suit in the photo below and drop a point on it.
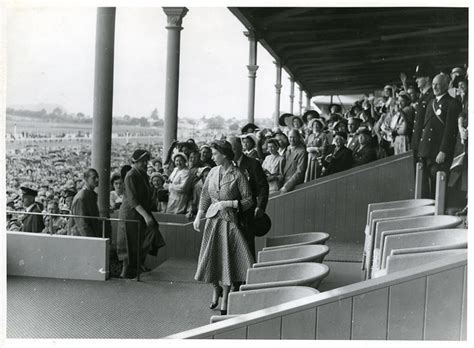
(423, 74)
(259, 186)
(294, 162)
(31, 223)
(439, 133)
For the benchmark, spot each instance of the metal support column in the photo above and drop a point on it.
(103, 97)
(278, 87)
(252, 68)
(292, 93)
(175, 18)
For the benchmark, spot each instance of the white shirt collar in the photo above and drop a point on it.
(440, 96)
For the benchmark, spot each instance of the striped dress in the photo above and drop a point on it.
(224, 254)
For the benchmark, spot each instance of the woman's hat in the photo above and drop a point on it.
(140, 155)
(262, 226)
(338, 108)
(177, 154)
(224, 147)
(249, 127)
(316, 120)
(313, 113)
(289, 121)
(251, 136)
(282, 119)
(156, 174)
(341, 134)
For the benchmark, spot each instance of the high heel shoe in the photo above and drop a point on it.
(223, 308)
(215, 298)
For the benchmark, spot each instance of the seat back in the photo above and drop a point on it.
(296, 252)
(299, 238)
(406, 203)
(403, 262)
(421, 239)
(254, 300)
(295, 271)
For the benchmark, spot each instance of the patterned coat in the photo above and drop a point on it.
(224, 254)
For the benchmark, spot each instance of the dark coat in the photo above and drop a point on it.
(341, 160)
(418, 122)
(33, 223)
(137, 191)
(257, 179)
(362, 156)
(254, 173)
(440, 130)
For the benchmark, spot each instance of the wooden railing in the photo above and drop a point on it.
(423, 303)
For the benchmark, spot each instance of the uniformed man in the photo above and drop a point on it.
(423, 74)
(439, 133)
(31, 223)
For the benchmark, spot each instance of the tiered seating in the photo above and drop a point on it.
(288, 268)
(378, 215)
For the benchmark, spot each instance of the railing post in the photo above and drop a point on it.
(440, 199)
(138, 250)
(418, 180)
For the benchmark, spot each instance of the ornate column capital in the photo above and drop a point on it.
(252, 70)
(252, 36)
(278, 87)
(175, 16)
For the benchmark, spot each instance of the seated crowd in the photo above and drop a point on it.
(301, 149)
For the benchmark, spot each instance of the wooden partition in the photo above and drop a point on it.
(337, 204)
(424, 303)
(56, 256)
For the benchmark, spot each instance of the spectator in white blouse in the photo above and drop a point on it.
(177, 184)
(272, 165)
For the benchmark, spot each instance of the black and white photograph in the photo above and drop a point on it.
(272, 171)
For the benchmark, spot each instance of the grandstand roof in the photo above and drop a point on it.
(353, 50)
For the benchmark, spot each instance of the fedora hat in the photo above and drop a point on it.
(260, 227)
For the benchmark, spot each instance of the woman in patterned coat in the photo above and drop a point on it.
(224, 256)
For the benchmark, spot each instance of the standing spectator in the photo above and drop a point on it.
(206, 156)
(249, 143)
(364, 152)
(85, 204)
(54, 224)
(157, 181)
(316, 145)
(176, 184)
(259, 189)
(272, 165)
(31, 223)
(438, 138)
(224, 256)
(137, 205)
(282, 141)
(401, 124)
(295, 162)
(353, 124)
(339, 157)
(423, 75)
(116, 195)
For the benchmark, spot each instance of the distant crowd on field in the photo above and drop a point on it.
(427, 114)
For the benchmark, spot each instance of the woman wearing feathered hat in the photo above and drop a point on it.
(137, 205)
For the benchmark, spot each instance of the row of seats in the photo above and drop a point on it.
(287, 269)
(407, 233)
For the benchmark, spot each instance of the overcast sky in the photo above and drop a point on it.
(50, 57)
